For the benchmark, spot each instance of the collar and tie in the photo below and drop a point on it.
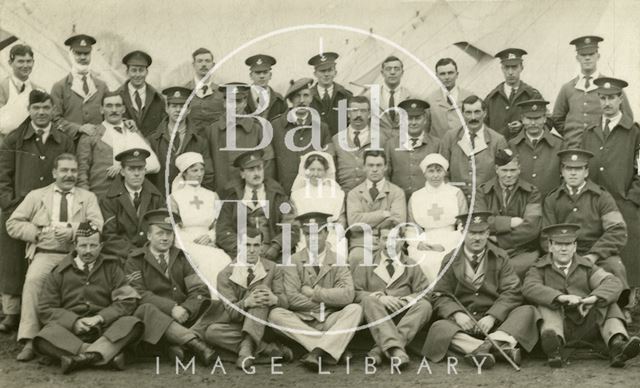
(254, 197)
(250, 276)
(326, 98)
(564, 268)
(392, 103)
(373, 191)
(534, 142)
(204, 89)
(356, 138)
(506, 195)
(118, 129)
(138, 100)
(450, 100)
(587, 81)
(607, 128)
(472, 138)
(475, 262)
(64, 214)
(22, 87)
(136, 200)
(85, 85)
(390, 268)
(415, 141)
(162, 262)
(512, 95)
(40, 135)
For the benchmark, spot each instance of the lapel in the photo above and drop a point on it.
(145, 199)
(78, 202)
(126, 98)
(465, 143)
(127, 204)
(77, 87)
(148, 99)
(329, 261)
(173, 257)
(47, 199)
(239, 277)
(151, 259)
(381, 271)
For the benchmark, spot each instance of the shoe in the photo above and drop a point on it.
(118, 362)
(287, 353)
(552, 347)
(245, 354)
(622, 350)
(376, 353)
(203, 352)
(27, 353)
(515, 354)
(402, 356)
(9, 323)
(312, 359)
(628, 318)
(70, 363)
(482, 356)
(175, 352)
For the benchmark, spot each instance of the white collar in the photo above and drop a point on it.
(132, 191)
(582, 77)
(320, 259)
(379, 184)
(45, 131)
(239, 273)
(80, 264)
(18, 82)
(615, 120)
(321, 90)
(56, 189)
(107, 125)
(507, 88)
(453, 93)
(578, 190)
(470, 255)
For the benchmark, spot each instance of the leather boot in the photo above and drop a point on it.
(482, 352)
(70, 363)
(552, 347)
(9, 323)
(245, 353)
(621, 350)
(118, 362)
(203, 352)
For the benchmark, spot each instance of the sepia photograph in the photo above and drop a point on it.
(299, 193)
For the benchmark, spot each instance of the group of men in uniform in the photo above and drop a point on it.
(89, 267)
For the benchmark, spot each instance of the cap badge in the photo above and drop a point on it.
(587, 40)
(414, 105)
(477, 219)
(607, 85)
(312, 221)
(511, 56)
(176, 94)
(574, 157)
(534, 108)
(136, 153)
(83, 42)
(564, 231)
(323, 58)
(508, 152)
(167, 220)
(259, 61)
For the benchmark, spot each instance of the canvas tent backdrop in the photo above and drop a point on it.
(468, 31)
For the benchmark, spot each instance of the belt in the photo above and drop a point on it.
(55, 251)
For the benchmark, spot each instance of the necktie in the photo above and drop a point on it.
(450, 100)
(507, 195)
(474, 262)
(534, 143)
(606, 130)
(472, 137)
(136, 200)
(40, 135)
(392, 103)
(118, 129)
(250, 276)
(356, 138)
(326, 98)
(374, 191)
(414, 142)
(85, 85)
(136, 97)
(587, 82)
(390, 269)
(316, 268)
(24, 85)
(162, 262)
(563, 268)
(254, 197)
(512, 95)
(204, 89)
(63, 206)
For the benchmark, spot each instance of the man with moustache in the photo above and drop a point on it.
(615, 144)
(97, 167)
(207, 105)
(603, 232)
(77, 97)
(265, 204)
(516, 206)
(537, 147)
(248, 133)
(394, 282)
(444, 116)
(405, 157)
(262, 96)
(373, 204)
(143, 104)
(480, 276)
(26, 162)
(326, 92)
(173, 297)
(576, 298)
(15, 89)
(186, 139)
(128, 198)
(301, 132)
(253, 285)
(47, 220)
(577, 106)
(320, 293)
(480, 143)
(350, 145)
(503, 111)
(86, 306)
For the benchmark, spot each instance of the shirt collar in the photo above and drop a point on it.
(131, 191)
(107, 125)
(507, 88)
(615, 120)
(80, 264)
(578, 190)
(379, 184)
(321, 256)
(132, 89)
(18, 82)
(157, 254)
(45, 131)
(322, 89)
(470, 255)
(59, 190)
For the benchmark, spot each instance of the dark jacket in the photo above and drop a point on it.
(152, 113)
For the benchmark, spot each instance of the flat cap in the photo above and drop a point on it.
(586, 44)
(260, 62)
(133, 157)
(318, 218)
(162, 218)
(563, 233)
(575, 157)
(533, 108)
(80, 43)
(137, 58)
(323, 61)
(414, 107)
(479, 221)
(511, 56)
(248, 159)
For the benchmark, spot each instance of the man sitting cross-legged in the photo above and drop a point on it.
(576, 297)
(249, 285)
(393, 284)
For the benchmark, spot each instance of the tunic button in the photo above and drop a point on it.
(601, 168)
(88, 283)
(506, 107)
(42, 157)
(601, 148)
(585, 104)
(141, 233)
(476, 294)
(41, 178)
(535, 157)
(575, 209)
(534, 175)
(175, 288)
